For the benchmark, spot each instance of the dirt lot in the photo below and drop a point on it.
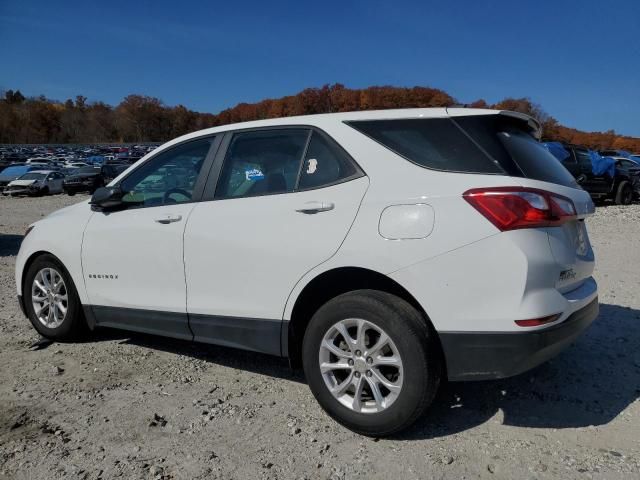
(145, 407)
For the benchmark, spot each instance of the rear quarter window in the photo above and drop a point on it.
(436, 143)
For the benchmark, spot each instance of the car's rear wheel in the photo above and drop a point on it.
(371, 362)
(51, 300)
(624, 195)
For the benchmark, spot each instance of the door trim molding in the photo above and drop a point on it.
(255, 334)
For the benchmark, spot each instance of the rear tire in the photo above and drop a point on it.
(55, 312)
(409, 363)
(624, 194)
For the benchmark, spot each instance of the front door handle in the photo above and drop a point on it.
(316, 207)
(169, 219)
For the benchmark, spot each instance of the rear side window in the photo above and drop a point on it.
(262, 162)
(324, 164)
(435, 143)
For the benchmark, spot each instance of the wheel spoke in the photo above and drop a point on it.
(382, 341)
(357, 397)
(49, 313)
(381, 379)
(342, 386)
(46, 280)
(360, 337)
(327, 366)
(377, 394)
(40, 286)
(392, 361)
(38, 298)
(40, 307)
(62, 308)
(342, 330)
(337, 351)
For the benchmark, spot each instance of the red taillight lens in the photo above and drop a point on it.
(510, 208)
(536, 322)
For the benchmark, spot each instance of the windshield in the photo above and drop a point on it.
(19, 170)
(87, 170)
(33, 176)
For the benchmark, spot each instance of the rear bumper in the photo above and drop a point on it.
(482, 356)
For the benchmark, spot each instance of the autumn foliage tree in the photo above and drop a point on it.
(140, 118)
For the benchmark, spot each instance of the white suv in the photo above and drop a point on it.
(384, 251)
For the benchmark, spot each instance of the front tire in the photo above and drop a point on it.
(371, 361)
(51, 300)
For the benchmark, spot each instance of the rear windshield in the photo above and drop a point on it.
(520, 154)
(487, 144)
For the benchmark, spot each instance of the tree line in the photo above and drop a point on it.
(139, 118)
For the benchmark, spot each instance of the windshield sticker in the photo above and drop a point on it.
(313, 165)
(254, 174)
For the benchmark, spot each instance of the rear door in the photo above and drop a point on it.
(279, 202)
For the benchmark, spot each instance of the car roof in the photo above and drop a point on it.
(42, 171)
(321, 120)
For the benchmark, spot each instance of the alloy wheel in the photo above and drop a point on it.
(361, 366)
(49, 297)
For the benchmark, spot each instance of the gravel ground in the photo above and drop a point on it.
(146, 407)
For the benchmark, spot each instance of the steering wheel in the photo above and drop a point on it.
(166, 198)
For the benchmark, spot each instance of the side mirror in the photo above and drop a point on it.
(107, 198)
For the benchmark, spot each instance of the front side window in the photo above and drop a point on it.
(262, 162)
(324, 164)
(168, 178)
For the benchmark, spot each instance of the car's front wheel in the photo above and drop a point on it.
(51, 300)
(371, 361)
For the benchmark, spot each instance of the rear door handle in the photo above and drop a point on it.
(169, 219)
(316, 207)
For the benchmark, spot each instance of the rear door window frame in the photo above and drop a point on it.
(215, 172)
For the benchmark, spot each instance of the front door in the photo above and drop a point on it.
(132, 258)
(284, 202)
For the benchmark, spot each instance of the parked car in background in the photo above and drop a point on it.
(13, 172)
(384, 251)
(88, 179)
(36, 182)
(620, 188)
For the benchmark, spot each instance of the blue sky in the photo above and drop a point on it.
(579, 59)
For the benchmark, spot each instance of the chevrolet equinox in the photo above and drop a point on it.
(383, 251)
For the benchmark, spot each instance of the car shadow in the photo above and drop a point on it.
(255, 362)
(590, 383)
(10, 244)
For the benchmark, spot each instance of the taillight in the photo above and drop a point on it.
(510, 208)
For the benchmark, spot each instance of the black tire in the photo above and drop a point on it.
(624, 194)
(74, 325)
(44, 191)
(416, 345)
(71, 193)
